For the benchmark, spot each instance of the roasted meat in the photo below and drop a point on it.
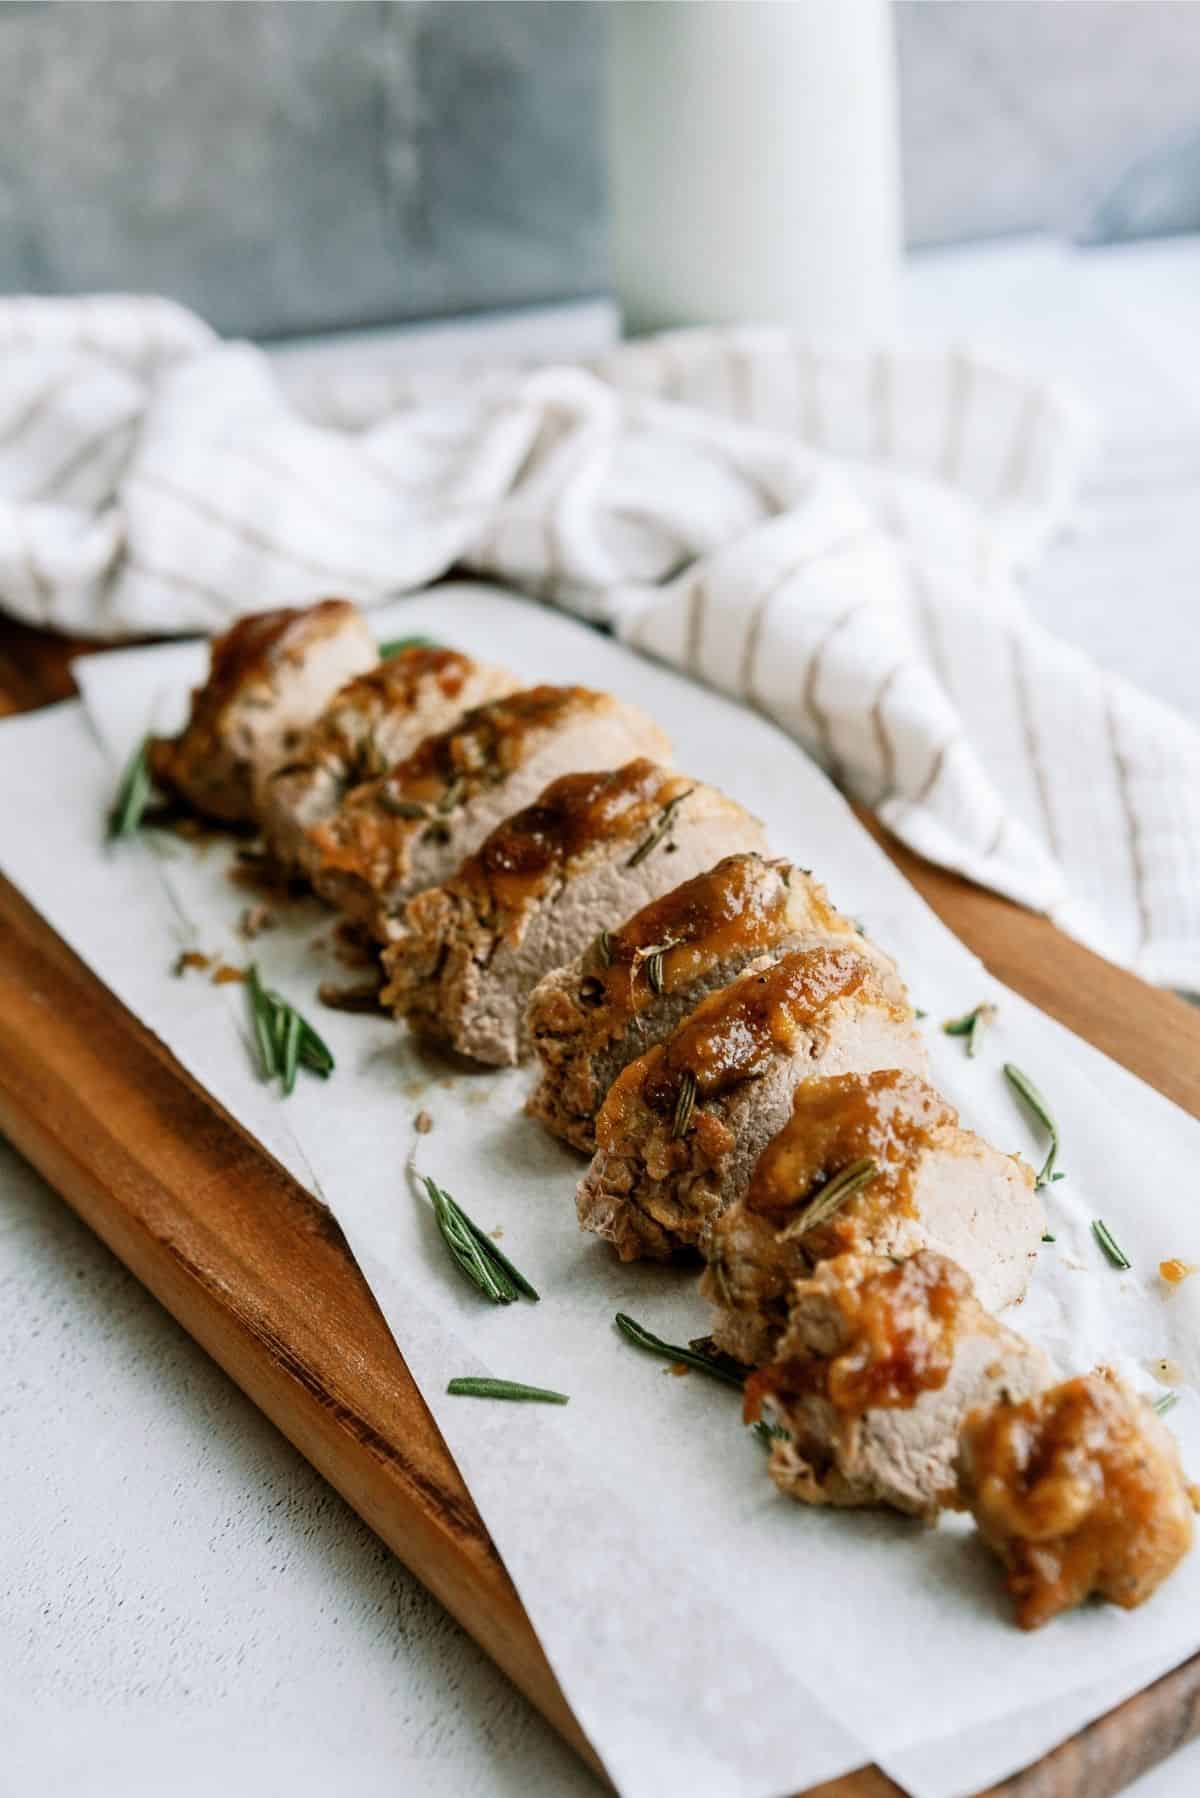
(814, 1195)
(371, 723)
(1079, 1490)
(271, 674)
(879, 1362)
(545, 882)
(591, 1018)
(411, 828)
(682, 1128)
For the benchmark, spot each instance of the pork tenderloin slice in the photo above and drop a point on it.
(392, 837)
(680, 1132)
(879, 1364)
(1079, 1490)
(588, 1020)
(543, 884)
(936, 1186)
(374, 721)
(270, 675)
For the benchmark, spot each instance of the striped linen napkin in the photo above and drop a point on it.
(836, 539)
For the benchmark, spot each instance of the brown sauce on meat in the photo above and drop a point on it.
(888, 1117)
(740, 905)
(898, 1325)
(736, 1034)
(253, 648)
(343, 734)
(525, 853)
(421, 792)
(1080, 1490)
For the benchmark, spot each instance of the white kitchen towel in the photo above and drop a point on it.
(836, 539)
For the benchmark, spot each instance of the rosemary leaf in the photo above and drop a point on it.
(1166, 1403)
(832, 1196)
(475, 1252)
(1024, 1088)
(291, 1050)
(604, 948)
(314, 1052)
(670, 1351)
(394, 645)
(479, 1386)
(1110, 1245)
(1046, 1237)
(685, 1104)
(971, 1025)
(132, 796)
(261, 1017)
(767, 1433)
(452, 794)
(397, 807)
(659, 830)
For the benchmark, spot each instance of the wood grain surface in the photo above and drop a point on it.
(260, 1275)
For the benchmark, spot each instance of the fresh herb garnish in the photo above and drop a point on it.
(399, 807)
(662, 825)
(1024, 1088)
(604, 948)
(1046, 1237)
(453, 793)
(832, 1196)
(394, 645)
(768, 1433)
(718, 1368)
(286, 1042)
(474, 1252)
(685, 1104)
(918, 1014)
(1110, 1245)
(652, 955)
(972, 1025)
(479, 1386)
(132, 796)
(1166, 1403)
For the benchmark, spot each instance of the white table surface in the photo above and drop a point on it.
(178, 1589)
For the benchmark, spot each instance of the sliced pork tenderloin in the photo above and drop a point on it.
(880, 1362)
(371, 723)
(1079, 1490)
(933, 1186)
(411, 829)
(543, 884)
(682, 1128)
(270, 675)
(591, 1018)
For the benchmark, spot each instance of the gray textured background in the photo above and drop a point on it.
(289, 167)
(1079, 117)
(286, 167)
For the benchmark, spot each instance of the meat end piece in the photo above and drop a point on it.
(588, 1020)
(813, 1196)
(372, 722)
(879, 1363)
(679, 1134)
(1079, 1490)
(271, 674)
(544, 883)
(411, 829)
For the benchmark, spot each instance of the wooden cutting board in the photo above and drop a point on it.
(262, 1278)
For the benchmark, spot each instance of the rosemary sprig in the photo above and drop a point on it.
(399, 807)
(832, 1196)
(1024, 1088)
(453, 793)
(652, 955)
(767, 1433)
(1110, 1245)
(479, 1386)
(394, 645)
(670, 1351)
(132, 795)
(1166, 1403)
(285, 1040)
(659, 830)
(474, 1252)
(1046, 1237)
(685, 1104)
(972, 1025)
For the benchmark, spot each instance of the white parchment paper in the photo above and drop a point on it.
(709, 1634)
